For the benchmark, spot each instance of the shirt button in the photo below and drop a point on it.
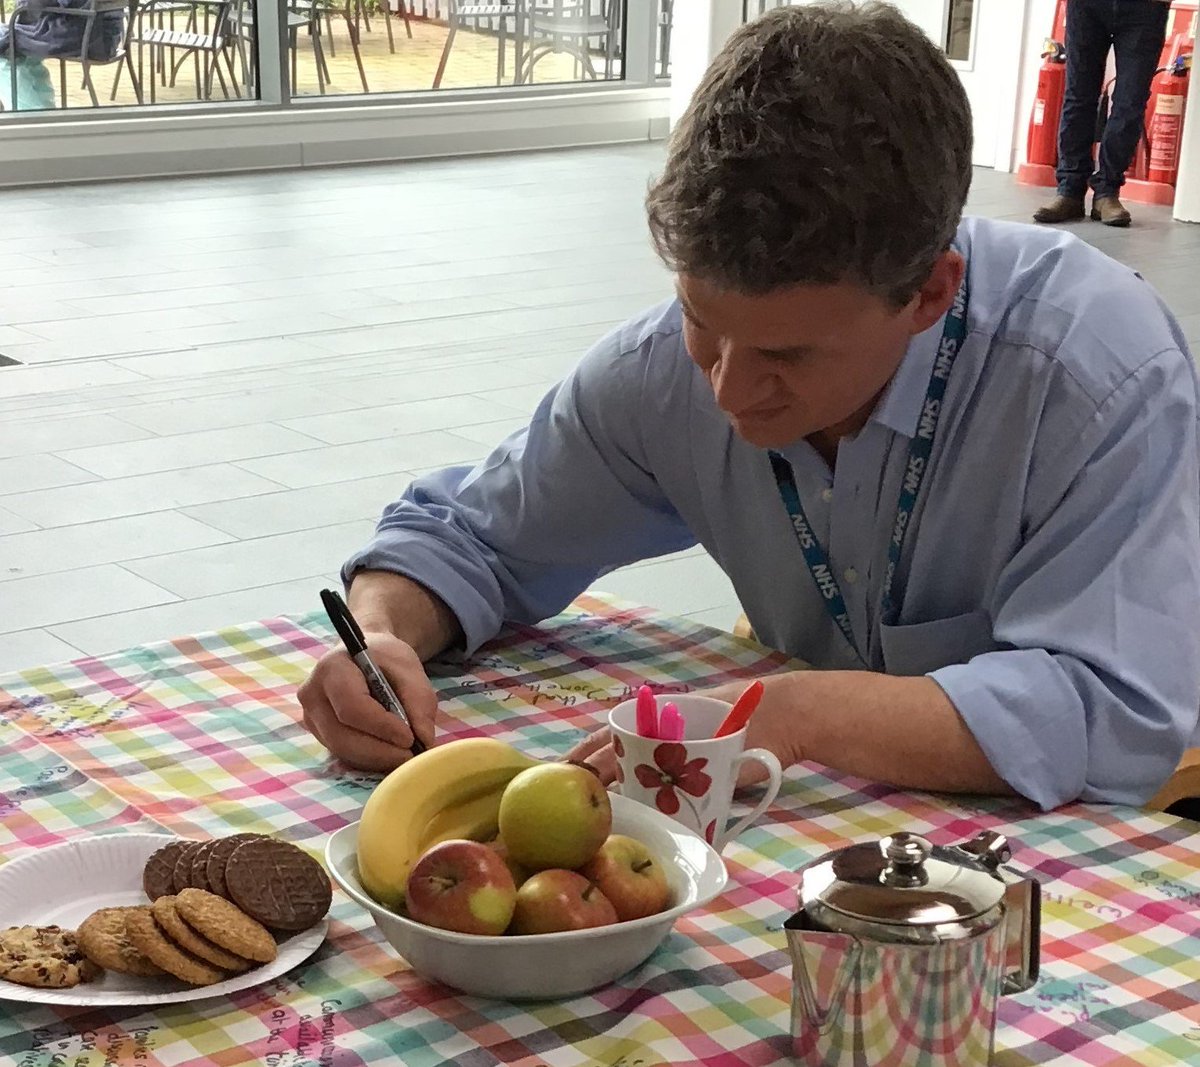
(851, 575)
(827, 495)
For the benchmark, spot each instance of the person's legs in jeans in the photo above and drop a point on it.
(1089, 34)
(1138, 37)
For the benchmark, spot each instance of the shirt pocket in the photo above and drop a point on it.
(921, 647)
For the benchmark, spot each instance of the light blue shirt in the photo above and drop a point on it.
(1050, 579)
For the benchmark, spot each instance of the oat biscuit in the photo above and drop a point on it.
(218, 856)
(182, 878)
(144, 932)
(226, 924)
(104, 940)
(278, 883)
(44, 957)
(172, 924)
(158, 877)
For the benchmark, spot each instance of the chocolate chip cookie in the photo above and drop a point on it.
(45, 957)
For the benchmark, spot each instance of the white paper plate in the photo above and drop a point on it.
(65, 883)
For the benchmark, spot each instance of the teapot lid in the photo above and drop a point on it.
(903, 880)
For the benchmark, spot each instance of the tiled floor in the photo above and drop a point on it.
(226, 378)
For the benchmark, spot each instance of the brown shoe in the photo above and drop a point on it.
(1060, 209)
(1110, 211)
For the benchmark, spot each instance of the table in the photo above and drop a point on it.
(201, 736)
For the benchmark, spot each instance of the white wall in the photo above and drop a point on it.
(1038, 25)
(1002, 81)
(930, 15)
(992, 80)
(699, 29)
(1187, 188)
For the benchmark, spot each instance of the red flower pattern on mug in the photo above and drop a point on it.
(672, 771)
(618, 746)
(710, 831)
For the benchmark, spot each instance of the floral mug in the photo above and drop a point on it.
(691, 780)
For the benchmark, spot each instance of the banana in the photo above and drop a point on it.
(475, 820)
(441, 784)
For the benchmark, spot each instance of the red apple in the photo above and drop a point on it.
(463, 886)
(626, 872)
(555, 900)
(554, 815)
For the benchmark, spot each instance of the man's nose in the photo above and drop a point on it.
(739, 380)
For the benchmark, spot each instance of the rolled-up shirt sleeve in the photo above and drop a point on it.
(551, 509)
(1096, 687)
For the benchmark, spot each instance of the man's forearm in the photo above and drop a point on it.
(903, 731)
(383, 602)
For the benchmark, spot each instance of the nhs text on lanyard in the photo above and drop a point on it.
(953, 333)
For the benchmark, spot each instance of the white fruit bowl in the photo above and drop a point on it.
(547, 966)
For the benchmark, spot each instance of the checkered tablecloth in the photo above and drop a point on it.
(201, 736)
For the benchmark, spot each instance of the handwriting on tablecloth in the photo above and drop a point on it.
(70, 1048)
(303, 1038)
(12, 802)
(1077, 901)
(566, 692)
(1075, 1000)
(72, 715)
(1157, 882)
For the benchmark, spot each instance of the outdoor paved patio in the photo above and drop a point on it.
(472, 64)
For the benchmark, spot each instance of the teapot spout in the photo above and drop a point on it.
(824, 964)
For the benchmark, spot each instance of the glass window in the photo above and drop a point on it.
(355, 46)
(751, 9)
(109, 53)
(959, 20)
(106, 53)
(662, 42)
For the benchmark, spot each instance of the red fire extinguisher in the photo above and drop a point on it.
(1042, 146)
(1164, 125)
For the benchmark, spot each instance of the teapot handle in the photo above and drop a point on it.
(1022, 910)
(1022, 931)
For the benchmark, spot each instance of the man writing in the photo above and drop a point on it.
(950, 463)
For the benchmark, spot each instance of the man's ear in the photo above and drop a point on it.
(935, 296)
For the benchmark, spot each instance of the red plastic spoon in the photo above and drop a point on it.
(741, 711)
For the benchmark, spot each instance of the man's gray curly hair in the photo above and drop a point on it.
(827, 143)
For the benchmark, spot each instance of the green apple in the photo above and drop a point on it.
(626, 872)
(463, 886)
(554, 815)
(519, 873)
(555, 900)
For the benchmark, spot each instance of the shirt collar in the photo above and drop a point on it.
(899, 407)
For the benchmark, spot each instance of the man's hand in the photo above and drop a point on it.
(901, 731)
(342, 715)
(771, 727)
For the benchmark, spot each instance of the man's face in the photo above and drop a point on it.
(798, 361)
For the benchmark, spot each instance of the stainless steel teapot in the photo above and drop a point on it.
(901, 949)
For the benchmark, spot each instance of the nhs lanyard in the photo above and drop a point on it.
(919, 450)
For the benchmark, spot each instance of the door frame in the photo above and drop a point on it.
(1006, 28)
